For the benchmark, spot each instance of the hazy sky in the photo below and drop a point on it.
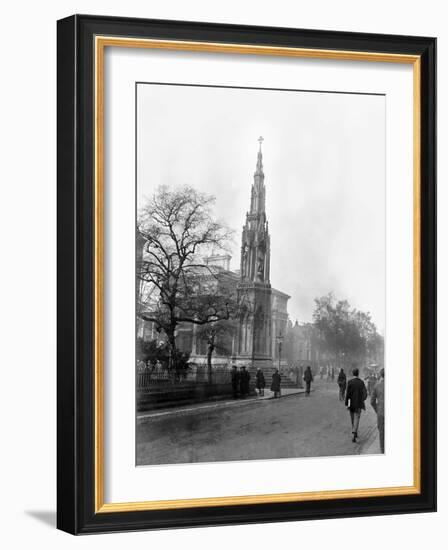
(324, 164)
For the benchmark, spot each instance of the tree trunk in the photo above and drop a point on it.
(210, 349)
(173, 351)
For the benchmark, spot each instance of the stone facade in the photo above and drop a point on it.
(280, 324)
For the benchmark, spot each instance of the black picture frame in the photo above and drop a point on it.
(76, 270)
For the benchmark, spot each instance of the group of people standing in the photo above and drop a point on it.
(240, 382)
(355, 393)
(241, 379)
(276, 381)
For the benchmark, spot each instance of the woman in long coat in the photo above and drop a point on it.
(342, 383)
(260, 383)
(276, 380)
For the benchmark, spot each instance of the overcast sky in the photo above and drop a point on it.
(324, 164)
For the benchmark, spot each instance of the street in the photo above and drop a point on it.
(292, 426)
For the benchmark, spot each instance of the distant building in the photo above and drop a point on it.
(302, 345)
(280, 320)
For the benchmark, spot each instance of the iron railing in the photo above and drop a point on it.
(148, 377)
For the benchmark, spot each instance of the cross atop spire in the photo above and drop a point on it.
(259, 170)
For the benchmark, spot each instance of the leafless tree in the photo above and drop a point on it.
(179, 231)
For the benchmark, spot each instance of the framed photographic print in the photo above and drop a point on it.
(246, 274)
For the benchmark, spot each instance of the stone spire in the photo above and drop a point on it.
(255, 243)
(259, 170)
(254, 338)
(258, 197)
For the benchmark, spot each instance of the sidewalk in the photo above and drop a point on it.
(286, 392)
(372, 447)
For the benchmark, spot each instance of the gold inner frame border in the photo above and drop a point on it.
(100, 43)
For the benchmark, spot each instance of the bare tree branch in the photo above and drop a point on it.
(179, 231)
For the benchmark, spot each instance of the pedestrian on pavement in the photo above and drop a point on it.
(301, 373)
(308, 377)
(321, 372)
(354, 401)
(244, 382)
(342, 383)
(235, 381)
(276, 380)
(371, 381)
(377, 402)
(260, 381)
(332, 374)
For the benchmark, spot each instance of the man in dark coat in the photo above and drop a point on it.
(342, 383)
(354, 401)
(276, 380)
(244, 382)
(377, 402)
(308, 377)
(235, 381)
(260, 381)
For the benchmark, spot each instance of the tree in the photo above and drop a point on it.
(213, 334)
(178, 230)
(345, 333)
(151, 351)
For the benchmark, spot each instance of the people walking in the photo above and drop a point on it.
(377, 402)
(275, 386)
(342, 383)
(354, 401)
(308, 377)
(235, 378)
(244, 382)
(260, 382)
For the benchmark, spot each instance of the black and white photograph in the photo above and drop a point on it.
(260, 273)
(233, 234)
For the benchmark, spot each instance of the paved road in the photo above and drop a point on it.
(293, 426)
